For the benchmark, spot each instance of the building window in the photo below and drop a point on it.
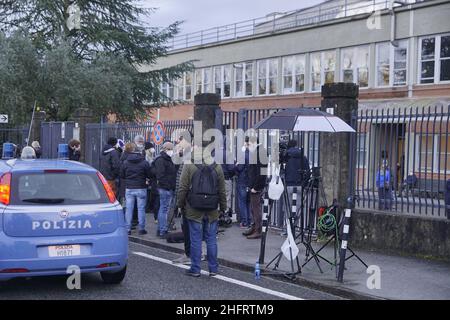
(361, 150)
(323, 68)
(187, 86)
(198, 81)
(222, 80)
(392, 64)
(400, 63)
(355, 66)
(383, 65)
(267, 76)
(164, 91)
(177, 89)
(444, 153)
(243, 79)
(435, 59)
(313, 149)
(203, 80)
(433, 153)
(293, 74)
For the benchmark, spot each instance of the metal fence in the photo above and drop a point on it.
(97, 135)
(282, 21)
(407, 147)
(403, 160)
(17, 135)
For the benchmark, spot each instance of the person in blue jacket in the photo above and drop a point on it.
(383, 183)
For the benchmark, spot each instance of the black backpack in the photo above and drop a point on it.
(204, 194)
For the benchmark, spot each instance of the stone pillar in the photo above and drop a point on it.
(335, 154)
(39, 117)
(205, 108)
(81, 117)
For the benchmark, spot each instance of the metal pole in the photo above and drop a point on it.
(31, 123)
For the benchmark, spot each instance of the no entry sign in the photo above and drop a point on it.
(158, 133)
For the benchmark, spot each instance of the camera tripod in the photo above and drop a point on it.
(310, 191)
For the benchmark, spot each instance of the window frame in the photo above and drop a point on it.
(244, 79)
(355, 68)
(437, 59)
(221, 80)
(200, 82)
(293, 75)
(361, 136)
(435, 154)
(267, 76)
(392, 63)
(322, 68)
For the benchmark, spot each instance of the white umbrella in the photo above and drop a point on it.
(304, 119)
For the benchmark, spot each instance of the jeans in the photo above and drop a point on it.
(244, 205)
(385, 199)
(131, 196)
(165, 200)
(208, 232)
(229, 191)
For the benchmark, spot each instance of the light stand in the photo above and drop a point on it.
(292, 218)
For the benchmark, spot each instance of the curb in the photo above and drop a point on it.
(315, 285)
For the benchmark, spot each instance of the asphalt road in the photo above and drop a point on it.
(150, 275)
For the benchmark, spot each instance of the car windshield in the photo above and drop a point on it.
(57, 188)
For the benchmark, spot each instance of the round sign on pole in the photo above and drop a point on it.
(158, 133)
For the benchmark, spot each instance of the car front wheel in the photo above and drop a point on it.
(113, 277)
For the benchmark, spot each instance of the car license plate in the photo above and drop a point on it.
(64, 250)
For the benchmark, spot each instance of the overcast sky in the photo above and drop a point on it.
(204, 14)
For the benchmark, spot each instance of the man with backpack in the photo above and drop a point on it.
(201, 192)
(110, 163)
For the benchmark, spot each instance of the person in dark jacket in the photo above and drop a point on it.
(297, 166)
(110, 163)
(297, 173)
(134, 172)
(166, 176)
(128, 149)
(74, 150)
(241, 171)
(257, 179)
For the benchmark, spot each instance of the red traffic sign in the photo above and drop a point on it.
(158, 133)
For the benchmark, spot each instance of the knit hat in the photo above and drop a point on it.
(167, 146)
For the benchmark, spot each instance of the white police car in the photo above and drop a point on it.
(59, 213)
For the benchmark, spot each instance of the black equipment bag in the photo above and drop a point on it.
(204, 194)
(175, 237)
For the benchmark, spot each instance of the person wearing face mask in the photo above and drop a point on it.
(152, 191)
(139, 141)
(165, 173)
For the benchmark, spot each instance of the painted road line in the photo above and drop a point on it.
(223, 278)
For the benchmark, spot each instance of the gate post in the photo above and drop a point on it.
(337, 149)
(39, 117)
(81, 117)
(205, 111)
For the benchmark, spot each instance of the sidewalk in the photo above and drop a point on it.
(401, 277)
